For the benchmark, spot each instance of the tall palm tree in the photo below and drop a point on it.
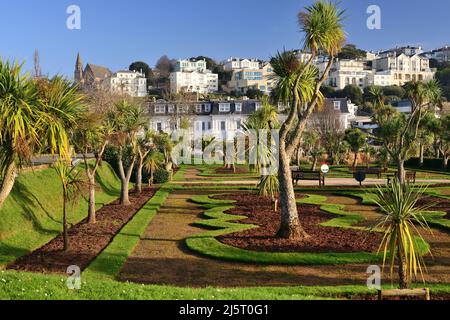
(92, 136)
(19, 115)
(35, 116)
(144, 147)
(298, 85)
(398, 131)
(128, 120)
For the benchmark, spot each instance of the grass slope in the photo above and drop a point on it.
(32, 214)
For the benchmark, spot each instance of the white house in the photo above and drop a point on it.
(193, 76)
(236, 64)
(128, 82)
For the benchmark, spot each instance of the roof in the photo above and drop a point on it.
(248, 107)
(329, 103)
(99, 71)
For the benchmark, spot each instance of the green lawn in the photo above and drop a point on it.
(32, 215)
(28, 286)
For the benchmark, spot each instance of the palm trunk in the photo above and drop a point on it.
(8, 182)
(314, 165)
(402, 273)
(124, 193)
(92, 208)
(355, 161)
(422, 149)
(290, 224)
(444, 163)
(401, 173)
(65, 226)
(139, 178)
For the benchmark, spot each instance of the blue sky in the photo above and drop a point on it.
(114, 33)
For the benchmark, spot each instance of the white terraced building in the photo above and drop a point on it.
(193, 76)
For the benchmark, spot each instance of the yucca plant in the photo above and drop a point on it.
(269, 187)
(400, 243)
(74, 186)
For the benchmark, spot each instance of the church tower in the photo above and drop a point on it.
(79, 77)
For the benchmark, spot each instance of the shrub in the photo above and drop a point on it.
(428, 163)
(161, 176)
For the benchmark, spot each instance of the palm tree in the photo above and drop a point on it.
(92, 136)
(399, 205)
(35, 115)
(356, 140)
(269, 187)
(128, 120)
(144, 147)
(399, 132)
(19, 115)
(298, 85)
(73, 187)
(153, 162)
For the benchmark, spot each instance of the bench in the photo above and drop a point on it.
(308, 176)
(410, 293)
(370, 170)
(410, 177)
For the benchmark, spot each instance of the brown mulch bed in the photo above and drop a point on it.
(322, 239)
(438, 204)
(239, 170)
(86, 241)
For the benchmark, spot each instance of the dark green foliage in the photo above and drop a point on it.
(161, 176)
(350, 51)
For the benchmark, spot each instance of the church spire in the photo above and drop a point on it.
(78, 70)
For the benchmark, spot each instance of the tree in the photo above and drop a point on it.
(356, 140)
(399, 131)
(399, 204)
(440, 129)
(313, 147)
(153, 162)
(127, 120)
(353, 93)
(164, 66)
(144, 147)
(73, 187)
(254, 93)
(35, 115)
(298, 85)
(143, 67)
(351, 52)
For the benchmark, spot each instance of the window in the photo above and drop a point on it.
(238, 107)
(203, 126)
(224, 107)
(207, 107)
(223, 125)
(238, 124)
(160, 109)
(159, 126)
(171, 108)
(337, 105)
(198, 108)
(209, 126)
(257, 106)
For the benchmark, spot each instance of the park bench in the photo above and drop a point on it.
(378, 171)
(308, 176)
(410, 293)
(410, 177)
